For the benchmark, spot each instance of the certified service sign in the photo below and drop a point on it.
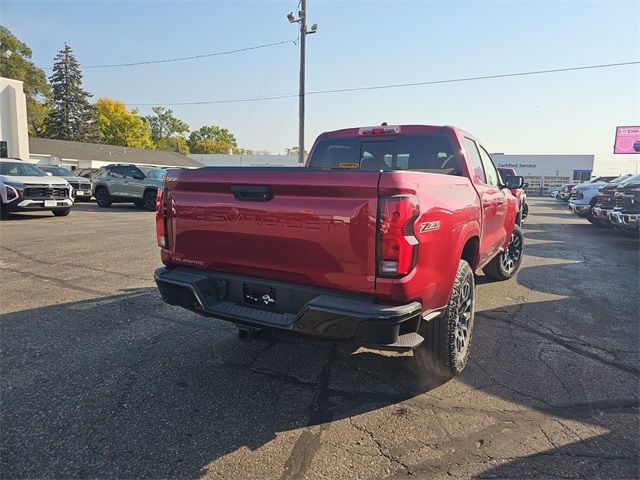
(627, 140)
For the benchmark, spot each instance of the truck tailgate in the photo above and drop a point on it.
(288, 224)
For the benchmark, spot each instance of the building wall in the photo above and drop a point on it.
(13, 118)
(544, 173)
(221, 160)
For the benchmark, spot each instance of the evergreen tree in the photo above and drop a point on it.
(72, 117)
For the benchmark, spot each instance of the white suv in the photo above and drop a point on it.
(24, 187)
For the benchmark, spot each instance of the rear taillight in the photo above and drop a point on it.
(397, 244)
(161, 218)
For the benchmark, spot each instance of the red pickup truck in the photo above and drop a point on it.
(374, 241)
(519, 193)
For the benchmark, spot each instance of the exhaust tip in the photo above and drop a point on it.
(244, 334)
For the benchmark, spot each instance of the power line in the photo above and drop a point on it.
(396, 85)
(192, 57)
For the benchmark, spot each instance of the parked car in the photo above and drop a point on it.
(128, 183)
(81, 186)
(365, 244)
(585, 196)
(605, 202)
(519, 193)
(565, 192)
(626, 213)
(26, 188)
(555, 194)
(89, 173)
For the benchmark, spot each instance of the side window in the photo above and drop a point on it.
(117, 172)
(490, 170)
(471, 149)
(131, 171)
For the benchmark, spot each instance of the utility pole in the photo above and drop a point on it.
(302, 20)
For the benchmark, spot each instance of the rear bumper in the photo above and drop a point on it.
(256, 303)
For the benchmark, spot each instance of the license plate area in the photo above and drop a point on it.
(259, 295)
(50, 203)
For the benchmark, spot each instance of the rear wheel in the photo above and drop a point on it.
(445, 350)
(103, 199)
(506, 265)
(150, 200)
(63, 212)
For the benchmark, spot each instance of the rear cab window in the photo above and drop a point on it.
(432, 153)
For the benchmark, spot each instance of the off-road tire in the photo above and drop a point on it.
(150, 200)
(506, 264)
(103, 198)
(447, 338)
(590, 217)
(62, 212)
(525, 212)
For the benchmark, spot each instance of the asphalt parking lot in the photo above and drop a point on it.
(99, 378)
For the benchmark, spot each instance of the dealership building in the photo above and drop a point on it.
(545, 173)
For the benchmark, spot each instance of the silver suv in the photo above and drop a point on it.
(128, 183)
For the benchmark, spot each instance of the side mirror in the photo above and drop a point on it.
(138, 176)
(514, 182)
(48, 174)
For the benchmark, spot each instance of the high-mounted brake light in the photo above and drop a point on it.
(397, 244)
(385, 130)
(161, 218)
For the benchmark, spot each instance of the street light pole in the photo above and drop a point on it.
(303, 36)
(302, 20)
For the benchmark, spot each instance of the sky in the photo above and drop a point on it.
(359, 44)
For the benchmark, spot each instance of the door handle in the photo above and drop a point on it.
(252, 193)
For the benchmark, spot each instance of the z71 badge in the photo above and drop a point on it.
(429, 226)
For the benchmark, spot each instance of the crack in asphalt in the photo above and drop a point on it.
(310, 441)
(568, 344)
(55, 280)
(392, 460)
(71, 265)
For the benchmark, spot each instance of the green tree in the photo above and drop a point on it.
(294, 151)
(210, 146)
(118, 126)
(164, 125)
(213, 132)
(18, 66)
(72, 117)
(175, 143)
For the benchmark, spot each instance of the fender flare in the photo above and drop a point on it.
(468, 231)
